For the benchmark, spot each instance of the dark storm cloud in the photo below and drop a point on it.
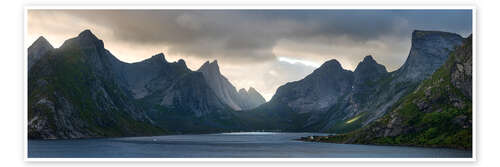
(250, 35)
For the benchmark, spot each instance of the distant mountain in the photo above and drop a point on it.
(72, 93)
(226, 91)
(251, 98)
(337, 100)
(38, 49)
(438, 113)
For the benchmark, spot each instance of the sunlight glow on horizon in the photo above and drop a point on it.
(295, 61)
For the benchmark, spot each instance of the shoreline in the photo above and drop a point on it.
(334, 139)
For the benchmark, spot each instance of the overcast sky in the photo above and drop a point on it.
(263, 49)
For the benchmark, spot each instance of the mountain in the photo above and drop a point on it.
(193, 94)
(220, 85)
(226, 91)
(333, 99)
(150, 78)
(73, 93)
(251, 98)
(317, 91)
(438, 113)
(38, 49)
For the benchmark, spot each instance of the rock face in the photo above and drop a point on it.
(225, 91)
(336, 100)
(72, 93)
(429, 50)
(317, 91)
(438, 113)
(38, 49)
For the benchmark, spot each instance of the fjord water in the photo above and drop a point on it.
(226, 145)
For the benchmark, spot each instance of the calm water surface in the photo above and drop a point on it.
(225, 145)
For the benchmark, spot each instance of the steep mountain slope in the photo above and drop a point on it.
(220, 85)
(438, 113)
(337, 100)
(38, 49)
(225, 90)
(72, 93)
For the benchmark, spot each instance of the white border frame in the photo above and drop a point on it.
(251, 7)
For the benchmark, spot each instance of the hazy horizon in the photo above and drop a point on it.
(278, 46)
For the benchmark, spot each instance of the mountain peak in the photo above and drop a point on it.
(331, 65)
(181, 61)
(213, 66)
(368, 58)
(251, 89)
(423, 35)
(369, 64)
(87, 34)
(85, 39)
(158, 57)
(368, 70)
(38, 49)
(242, 91)
(252, 97)
(41, 42)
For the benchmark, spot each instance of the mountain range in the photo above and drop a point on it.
(81, 90)
(333, 99)
(436, 114)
